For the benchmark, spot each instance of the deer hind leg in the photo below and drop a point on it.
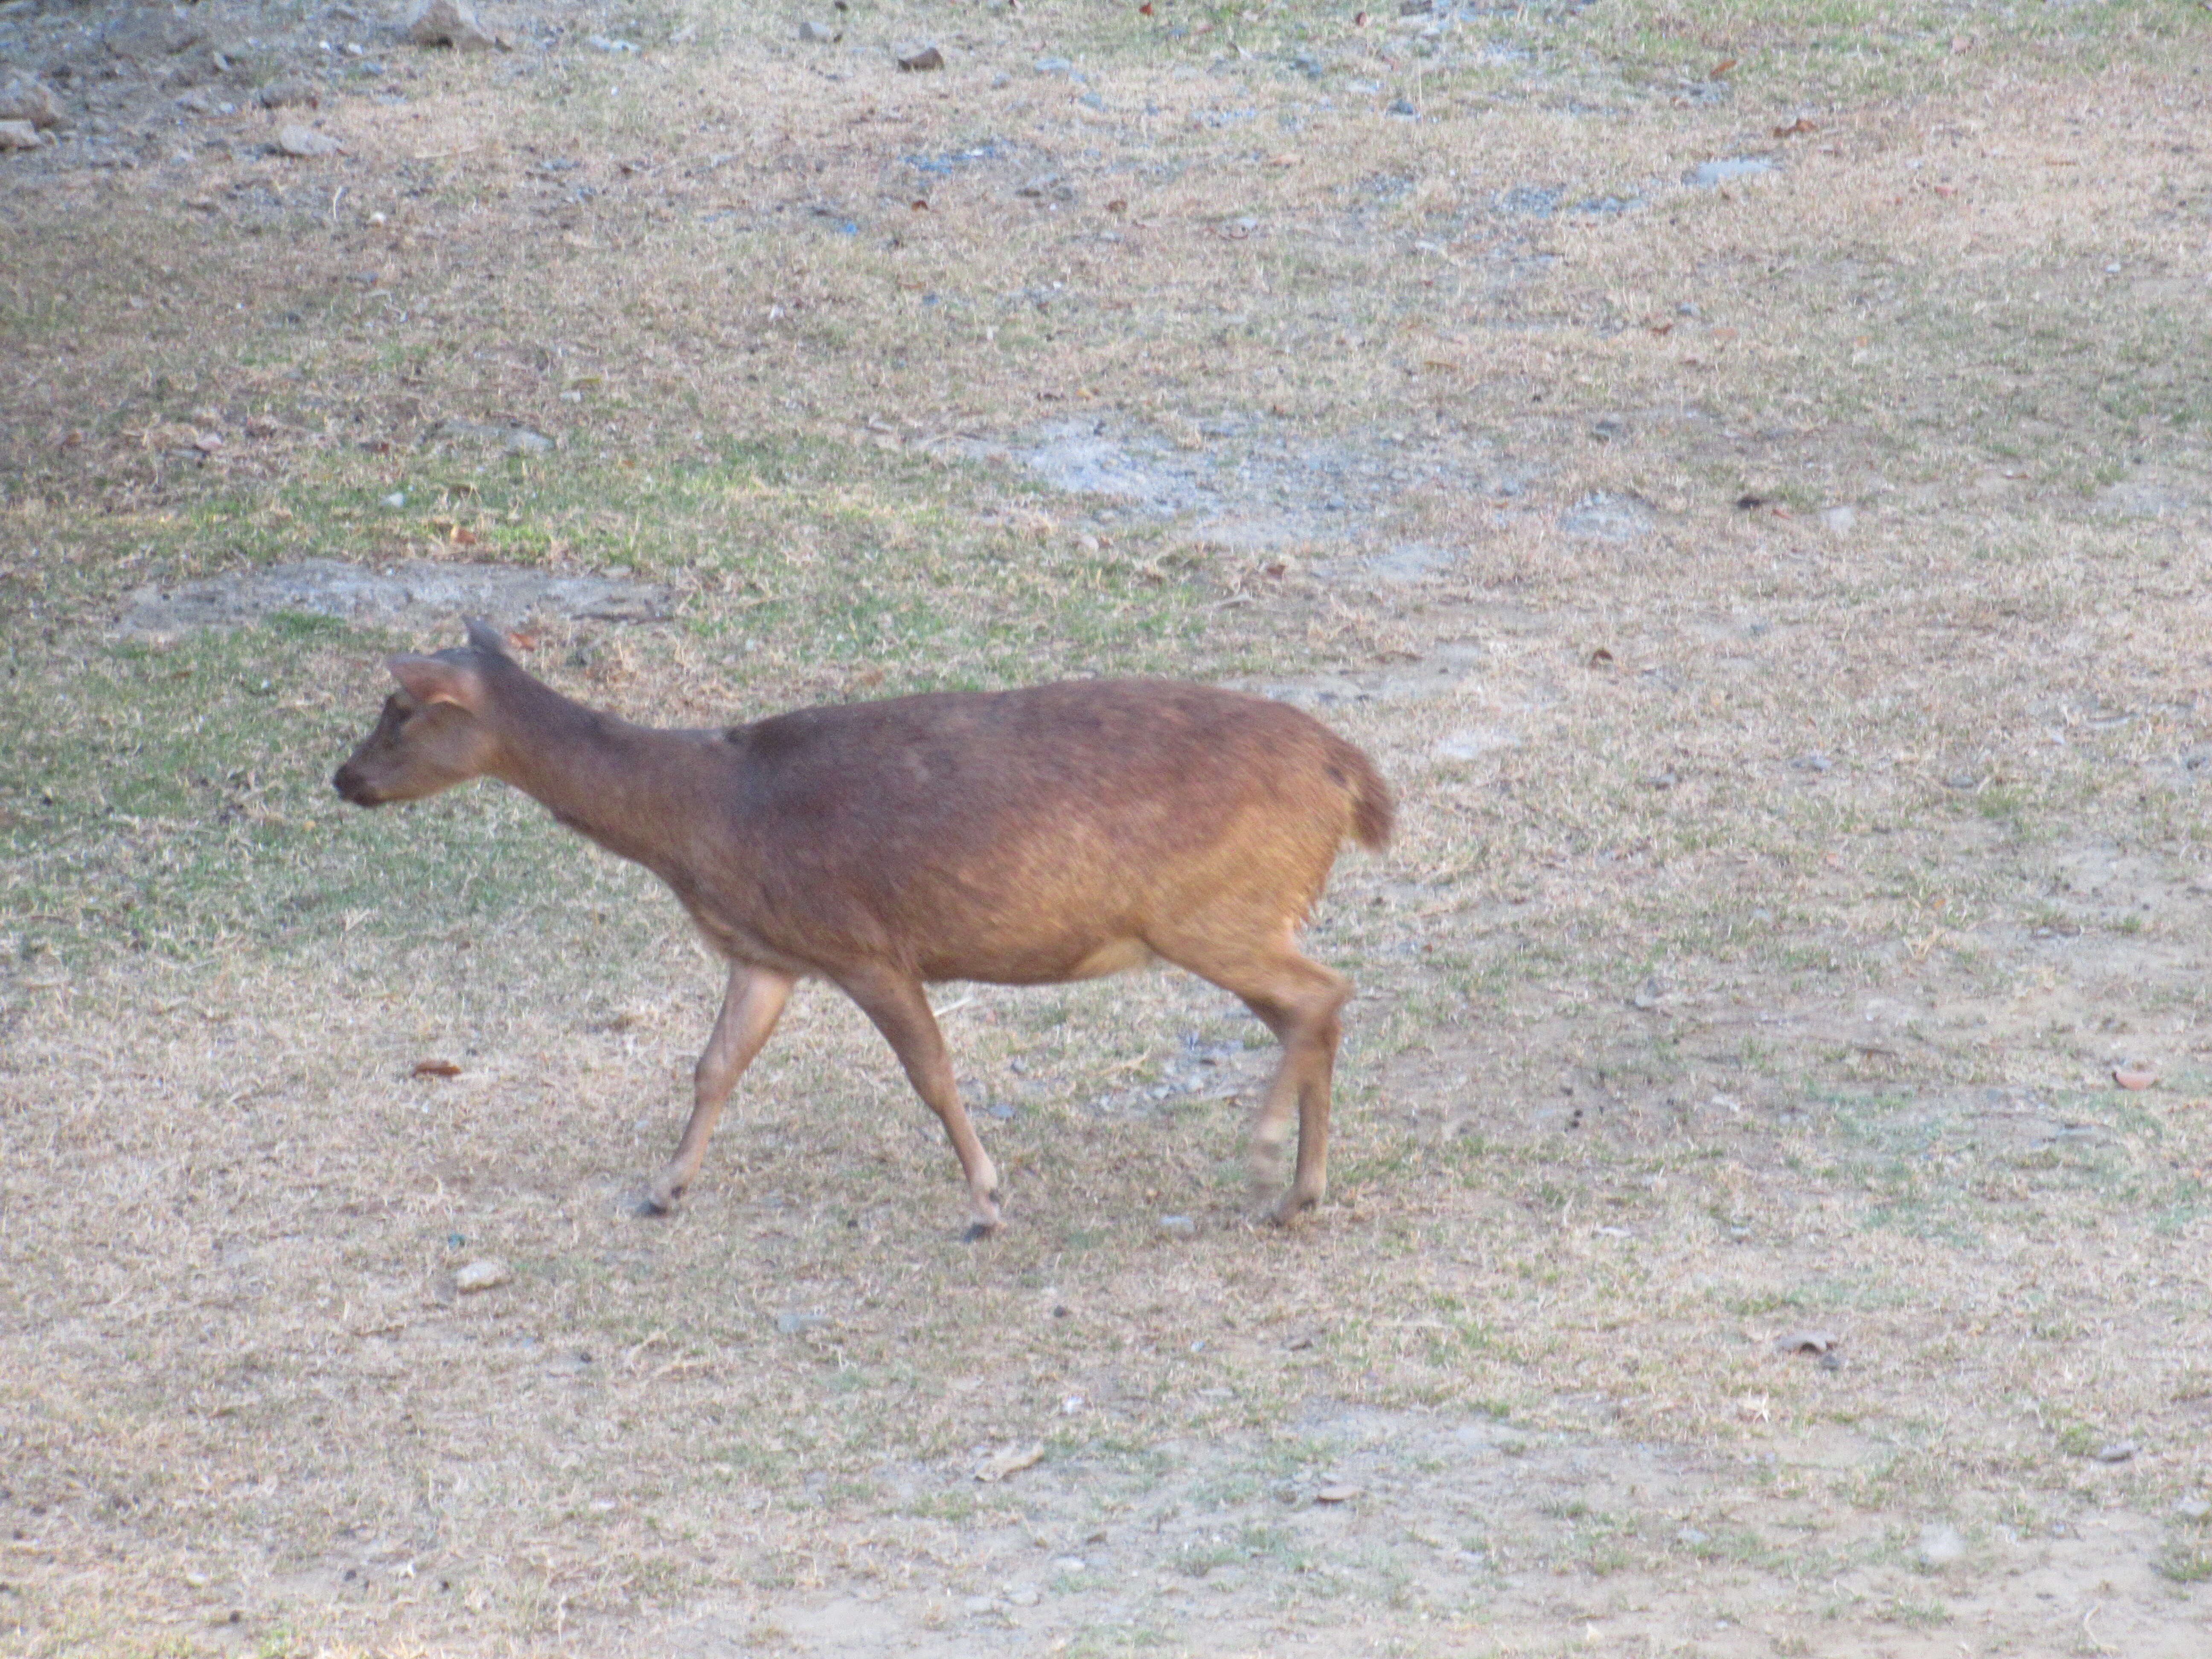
(901, 1011)
(1298, 1000)
(754, 997)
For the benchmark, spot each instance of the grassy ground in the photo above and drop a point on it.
(1776, 599)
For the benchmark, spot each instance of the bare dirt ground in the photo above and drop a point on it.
(1742, 470)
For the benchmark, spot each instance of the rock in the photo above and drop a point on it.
(482, 1275)
(818, 34)
(25, 99)
(1840, 520)
(290, 92)
(2118, 1451)
(789, 1323)
(303, 143)
(1940, 1544)
(1807, 1342)
(2195, 1507)
(196, 103)
(1180, 1225)
(921, 58)
(449, 23)
(18, 135)
(152, 32)
(1338, 1493)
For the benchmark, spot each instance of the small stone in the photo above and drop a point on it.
(482, 1275)
(1338, 1493)
(1940, 1544)
(289, 93)
(2117, 1451)
(1071, 1563)
(1839, 520)
(196, 103)
(1647, 996)
(397, 498)
(980, 1604)
(1023, 1596)
(1690, 1538)
(1179, 1224)
(305, 143)
(449, 23)
(523, 441)
(18, 135)
(2195, 1507)
(818, 34)
(1402, 106)
(1807, 1342)
(917, 59)
(25, 99)
(793, 1324)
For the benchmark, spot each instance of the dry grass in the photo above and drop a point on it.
(1779, 888)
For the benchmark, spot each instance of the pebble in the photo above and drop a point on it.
(791, 1324)
(289, 93)
(2195, 1507)
(1023, 1596)
(304, 143)
(18, 135)
(482, 1275)
(982, 1604)
(25, 99)
(2118, 1452)
(818, 34)
(1182, 1225)
(1338, 1493)
(916, 59)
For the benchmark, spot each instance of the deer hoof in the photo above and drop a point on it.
(1295, 1208)
(978, 1230)
(657, 1200)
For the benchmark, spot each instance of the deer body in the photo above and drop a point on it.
(1019, 837)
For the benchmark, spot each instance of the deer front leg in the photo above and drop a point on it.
(750, 1007)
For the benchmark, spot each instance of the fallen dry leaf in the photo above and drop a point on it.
(1800, 124)
(1011, 1461)
(1720, 68)
(2135, 1077)
(436, 1069)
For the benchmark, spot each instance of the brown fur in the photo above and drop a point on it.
(1019, 837)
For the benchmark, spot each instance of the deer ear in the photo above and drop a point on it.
(432, 679)
(487, 639)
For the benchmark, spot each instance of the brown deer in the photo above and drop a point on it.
(1024, 837)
